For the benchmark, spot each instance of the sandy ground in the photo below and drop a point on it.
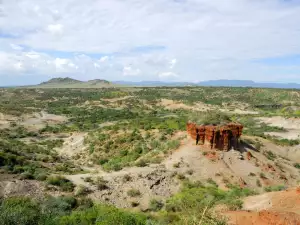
(292, 125)
(39, 120)
(5, 120)
(72, 145)
(170, 104)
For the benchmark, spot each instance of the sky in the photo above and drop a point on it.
(139, 40)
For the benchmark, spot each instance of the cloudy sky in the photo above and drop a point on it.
(167, 40)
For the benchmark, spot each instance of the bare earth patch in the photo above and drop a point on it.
(292, 125)
(72, 145)
(40, 120)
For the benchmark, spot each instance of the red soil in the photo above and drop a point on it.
(263, 218)
(283, 210)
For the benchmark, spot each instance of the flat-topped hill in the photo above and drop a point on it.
(68, 82)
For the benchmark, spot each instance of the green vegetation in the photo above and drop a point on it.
(270, 155)
(61, 182)
(133, 193)
(195, 200)
(275, 188)
(192, 204)
(210, 117)
(64, 211)
(297, 165)
(155, 205)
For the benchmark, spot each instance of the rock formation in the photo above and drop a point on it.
(222, 137)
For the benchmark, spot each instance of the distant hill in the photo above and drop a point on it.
(67, 82)
(59, 80)
(212, 83)
(248, 83)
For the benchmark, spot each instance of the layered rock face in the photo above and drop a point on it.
(222, 137)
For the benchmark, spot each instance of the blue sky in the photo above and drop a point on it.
(167, 40)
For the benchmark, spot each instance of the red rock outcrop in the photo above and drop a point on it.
(223, 137)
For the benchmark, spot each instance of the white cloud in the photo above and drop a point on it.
(16, 47)
(167, 75)
(55, 28)
(104, 58)
(129, 71)
(33, 55)
(173, 63)
(199, 39)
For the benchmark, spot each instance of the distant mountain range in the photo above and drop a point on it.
(99, 83)
(213, 83)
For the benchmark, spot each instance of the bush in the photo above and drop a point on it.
(190, 172)
(195, 200)
(180, 176)
(26, 175)
(103, 215)
(270, 155)
(263, 176)
(133, 193)
(275, 188)
(297, 165)
(101, 184)
(212, 182)
(127, 178)
(62, 182)
(41, 176)
(176, 165)
(81, 190)
(141, 163)
(155, 205)
(19, 210)
(258, 183)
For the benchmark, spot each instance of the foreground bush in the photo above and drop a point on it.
(64, 211)
(62, 182)
(104, 215)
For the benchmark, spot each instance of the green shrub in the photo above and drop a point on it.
(104, 215)
(155, 205)
(190, 172)
(195, 200)
(141, 163)
(176, 165)
(212, 182)
(101, 184)
(133, 193)
(270, 155)
(297, 165)
(81, 190)
(180, 176)
(19, 210)
(258, 183)
(127, 178)
(41, 176)
(275, 188)
(27, 175)
(62, 182)
(263, 176)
